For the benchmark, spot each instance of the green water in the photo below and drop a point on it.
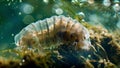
(17, 14)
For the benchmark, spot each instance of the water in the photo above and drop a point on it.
(105, 14)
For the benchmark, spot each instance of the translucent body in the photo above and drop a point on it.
(54, 31)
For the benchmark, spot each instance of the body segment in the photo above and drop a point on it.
(54, 31)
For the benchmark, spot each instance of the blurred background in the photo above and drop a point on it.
(16, 14)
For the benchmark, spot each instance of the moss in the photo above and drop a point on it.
(109, 41)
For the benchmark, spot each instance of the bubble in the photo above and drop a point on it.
(106, 3)
(19, 13)
(81, 14)
(20, 64)
(20, 1)
(28, 19)
(116, 7)
(58, 11)
(9, 4)
(90, 1)
(89, 56)
(27, 8)
(46, 1)
(74, 1)
(12, 34)
(23, 60)
(17, 54)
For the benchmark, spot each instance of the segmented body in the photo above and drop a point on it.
(54, 31)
